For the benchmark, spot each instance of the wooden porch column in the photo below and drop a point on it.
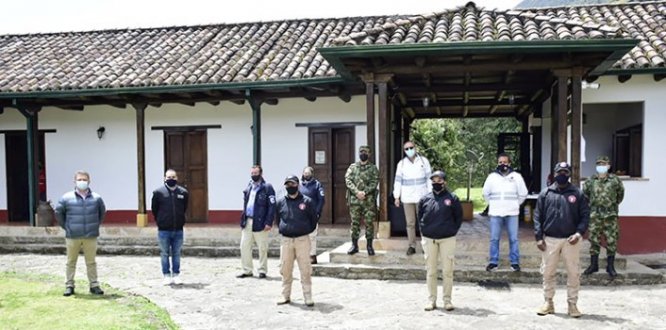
(32, 137)
(576, 125)
(383, 153)
(562, 109)
(141, 217)
(370, 113)
(256, 127)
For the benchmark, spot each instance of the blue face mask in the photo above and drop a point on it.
(602, 169)
(410, 153)
(82, 185)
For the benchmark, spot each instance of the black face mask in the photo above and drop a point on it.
(437, 187)
(292, 190)
(363, 157)
(561, 179)
(504, 168)
(171, 182)
(255, 178)
(306, 178)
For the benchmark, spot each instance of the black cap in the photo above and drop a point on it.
(440, 174)
(563, 166)
(291, 178)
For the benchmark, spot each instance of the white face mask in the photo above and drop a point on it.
(82, 185)
(602, 169)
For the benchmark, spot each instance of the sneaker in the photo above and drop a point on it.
(176, 280)
(96, 290)
(448, 306)
(411, 251)
(166, 280)
(430, 307)
(515, 267)
(491, 267)
(68, 291)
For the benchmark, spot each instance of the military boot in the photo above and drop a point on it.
(547, 308)
(371, 250)
(594, 265)
(354, 247)
(610, 266)
(573, 311)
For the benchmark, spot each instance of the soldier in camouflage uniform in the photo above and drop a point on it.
(605, 193)
(361, 180)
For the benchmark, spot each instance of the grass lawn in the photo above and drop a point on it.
(36, 302)
(475, 194)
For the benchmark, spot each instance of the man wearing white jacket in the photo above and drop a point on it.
(412, 181)
(504, 191)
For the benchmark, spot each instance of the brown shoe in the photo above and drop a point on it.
(313, 260)
(547, 308)
(573, 311)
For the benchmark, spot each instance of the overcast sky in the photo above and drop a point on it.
(34, 16)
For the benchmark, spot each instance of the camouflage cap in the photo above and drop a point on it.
(364, 148)
(603, 159)
(562, 166)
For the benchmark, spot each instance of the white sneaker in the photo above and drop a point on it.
(166, 280)
(177, 280)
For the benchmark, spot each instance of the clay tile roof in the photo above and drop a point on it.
(287, 50)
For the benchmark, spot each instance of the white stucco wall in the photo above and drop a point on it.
(642, 197)
(112, 160)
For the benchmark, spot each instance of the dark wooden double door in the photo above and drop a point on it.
(16, 161)
(186, 153)
(330, 152)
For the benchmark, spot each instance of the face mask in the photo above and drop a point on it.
(503, 168)
(410, 153)
(562, 179)
(437, 187)
(82, 185)
(306, 178)
(292, 190)
(602, 169)
(171, 182)
(363, 157)
(255, 178)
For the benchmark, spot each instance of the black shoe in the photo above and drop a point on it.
(68, 291)
(96, 290)
(610, 267)
(515, 267)
(411, 251)
(244, 275)
(262, 275)
(354, 247)
(371, 250)
(594, 265)
(313, 260)
(491, 267)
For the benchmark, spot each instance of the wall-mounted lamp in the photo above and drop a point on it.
(586, 85)
(100, 132)
(426, 102)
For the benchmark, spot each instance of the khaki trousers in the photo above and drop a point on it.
(248, 237)
(313, 241)
(439, 251)
(296, 249)
(74, 247)
(410, 218)
(556, 247)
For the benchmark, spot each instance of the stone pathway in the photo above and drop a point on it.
(212, 298)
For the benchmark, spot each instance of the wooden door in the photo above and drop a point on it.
(16, 160)
(330, 153)
(186, 153)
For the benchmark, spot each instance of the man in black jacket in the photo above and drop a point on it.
(297, 219)
(169, 205)
(560, 220)
(440, 218)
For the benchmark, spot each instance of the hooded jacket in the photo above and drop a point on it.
(561, 213)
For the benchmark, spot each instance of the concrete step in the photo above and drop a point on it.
(463, 258)
(635, 274)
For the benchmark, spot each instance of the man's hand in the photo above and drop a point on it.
(360, 195)
(397, 202)
(573, 239)
(541, 244)
(267, 228)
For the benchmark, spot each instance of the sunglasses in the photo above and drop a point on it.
(409, 148)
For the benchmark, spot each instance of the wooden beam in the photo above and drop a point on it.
(471, 102)
(659, 76)
(493, 66)
(623, 78)
(562, 108)
(370, 114)
(576, 128)
(71, 107)
(140, 108)
(438, 88)
(383, 149)
(271, 101)
(345, 97)
(255, 104)
(311, 98)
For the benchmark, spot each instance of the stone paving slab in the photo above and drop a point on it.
(212, 298)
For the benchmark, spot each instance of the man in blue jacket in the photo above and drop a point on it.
(256, 221)
(169, 206)
(297, 219)
(80, 213)
(440, 217)
(312, 188)
(561, 218)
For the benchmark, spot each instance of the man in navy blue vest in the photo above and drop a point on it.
(312, 188)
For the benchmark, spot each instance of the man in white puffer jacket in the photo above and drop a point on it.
(412, 181)
(504, 191)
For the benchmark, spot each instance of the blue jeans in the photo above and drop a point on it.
(170, 244)
(511, 224)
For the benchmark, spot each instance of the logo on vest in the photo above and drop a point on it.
(447, 202)
(572, 199)
(301, 206)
